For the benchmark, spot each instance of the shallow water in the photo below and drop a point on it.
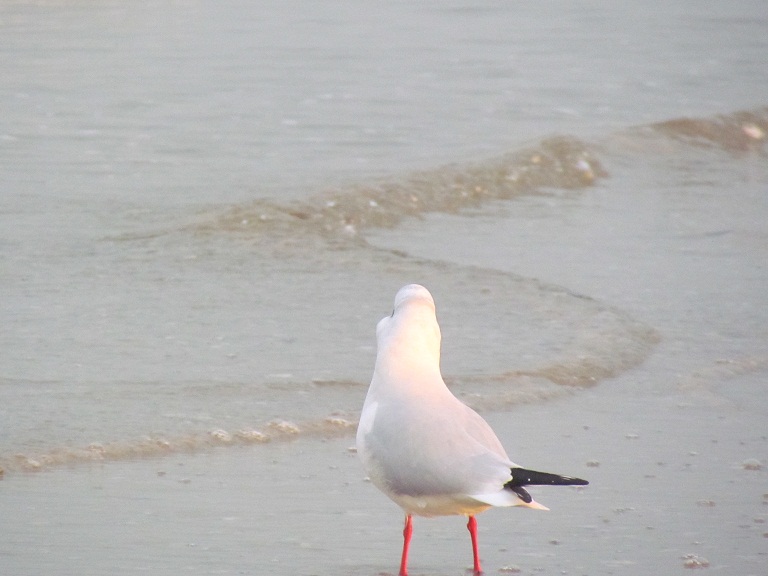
(207, 211)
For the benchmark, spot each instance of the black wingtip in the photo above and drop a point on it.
(523, 477)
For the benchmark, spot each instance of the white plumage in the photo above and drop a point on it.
(419, 444)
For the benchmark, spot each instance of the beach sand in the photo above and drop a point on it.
(672, 484)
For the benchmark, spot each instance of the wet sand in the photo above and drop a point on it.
(670, 477)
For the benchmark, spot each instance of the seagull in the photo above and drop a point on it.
(420, 445)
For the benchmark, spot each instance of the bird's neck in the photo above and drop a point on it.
(409, 349)
(409, 366)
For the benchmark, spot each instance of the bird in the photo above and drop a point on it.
(420, 445)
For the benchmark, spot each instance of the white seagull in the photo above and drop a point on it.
(421, 445)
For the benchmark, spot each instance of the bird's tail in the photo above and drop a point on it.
(522, 477)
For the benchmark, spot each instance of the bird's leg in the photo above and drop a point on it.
(407, 531)
(472, 527)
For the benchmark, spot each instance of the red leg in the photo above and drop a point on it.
(472, 527)
(407, 531)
